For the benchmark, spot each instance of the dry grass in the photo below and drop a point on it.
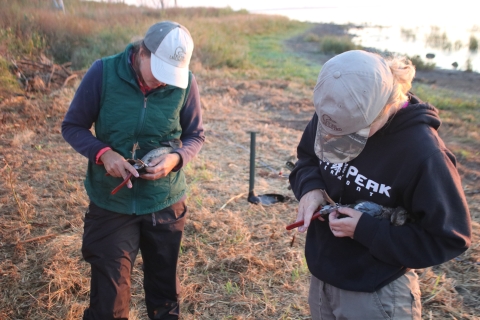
(236, 259)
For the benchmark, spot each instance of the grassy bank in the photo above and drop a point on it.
(223, 38)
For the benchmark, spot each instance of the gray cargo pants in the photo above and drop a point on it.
(399, 299)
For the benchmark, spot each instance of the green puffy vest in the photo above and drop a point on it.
(127, 117)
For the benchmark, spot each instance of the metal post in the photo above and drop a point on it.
(265, 199)
(252, 197)
(252, 162)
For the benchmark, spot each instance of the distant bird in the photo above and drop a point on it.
(430, 55)
(455, 65)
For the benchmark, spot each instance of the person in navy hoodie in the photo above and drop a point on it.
(139, 100)
(371, 139)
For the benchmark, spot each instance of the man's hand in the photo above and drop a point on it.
(117, 166)
(344, 227)
(308, 204)
(161, 166)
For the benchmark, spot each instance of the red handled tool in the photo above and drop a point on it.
(124, 182)
(323, 212)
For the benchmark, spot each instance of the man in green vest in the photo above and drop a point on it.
(139, 100)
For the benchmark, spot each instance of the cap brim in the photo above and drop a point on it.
(169, 74)
(339, 148)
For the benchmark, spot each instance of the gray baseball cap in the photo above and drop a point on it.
(351, 91)
(171, 46)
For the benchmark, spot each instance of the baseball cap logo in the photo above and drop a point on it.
(330, 123)
(179, 54)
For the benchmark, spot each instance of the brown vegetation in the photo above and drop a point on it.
(237, 261)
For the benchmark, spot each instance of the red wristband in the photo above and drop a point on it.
(100, 153)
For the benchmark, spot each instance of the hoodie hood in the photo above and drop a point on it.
(416, 113)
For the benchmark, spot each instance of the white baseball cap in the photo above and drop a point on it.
(171, 45)
(351, 91)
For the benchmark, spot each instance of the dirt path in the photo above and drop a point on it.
(461, 81)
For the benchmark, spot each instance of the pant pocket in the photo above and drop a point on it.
(170, 214)
(385, 299)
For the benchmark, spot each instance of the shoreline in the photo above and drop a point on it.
(457, 80)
